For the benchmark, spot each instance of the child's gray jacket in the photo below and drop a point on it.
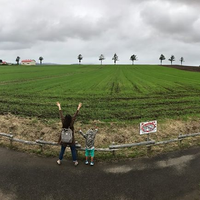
(89, 138)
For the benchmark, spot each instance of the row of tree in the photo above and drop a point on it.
(115, 58)
(133, 58)
(171, 59)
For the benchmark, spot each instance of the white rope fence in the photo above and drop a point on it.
(41, 143)
(111, 148)
(152, 142)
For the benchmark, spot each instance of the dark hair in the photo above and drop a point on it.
(67, 121)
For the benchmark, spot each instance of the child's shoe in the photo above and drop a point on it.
(92, 164)
(86, 162)
(58, 162)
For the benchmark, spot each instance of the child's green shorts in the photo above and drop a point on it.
(89, 152)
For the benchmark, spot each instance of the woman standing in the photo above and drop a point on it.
(68, 122)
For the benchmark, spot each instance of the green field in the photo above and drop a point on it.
(119, 93)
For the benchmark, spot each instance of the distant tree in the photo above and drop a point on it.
(17, 60)
(182, 60)
(80, 57)
(115, 58)
(101, 58)
(133, 58)
(1, 61)
(162, 57)
(41, 59)
(171, 59)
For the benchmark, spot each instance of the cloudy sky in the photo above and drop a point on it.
(59, 30)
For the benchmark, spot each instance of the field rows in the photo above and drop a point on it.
(108, 93)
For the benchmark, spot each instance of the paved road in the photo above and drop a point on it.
(174, 176)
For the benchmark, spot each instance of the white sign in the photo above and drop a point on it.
(148, 127)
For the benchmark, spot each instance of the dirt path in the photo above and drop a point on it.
(187, 68)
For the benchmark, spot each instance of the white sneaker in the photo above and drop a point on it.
(58, 162)
(76, 163)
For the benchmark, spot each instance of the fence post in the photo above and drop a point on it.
(180, 141)
(113, 153)
(11, 140)
(148, 146)
(41, 148)
(41, 145)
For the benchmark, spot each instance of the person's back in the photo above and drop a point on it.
(90, 138)
(67, 133)
(89, 144)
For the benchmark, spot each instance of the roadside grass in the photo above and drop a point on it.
(32, 129)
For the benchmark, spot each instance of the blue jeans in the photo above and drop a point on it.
(73, 151)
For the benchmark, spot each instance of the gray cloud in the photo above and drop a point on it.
(146, 28)
(174, 20)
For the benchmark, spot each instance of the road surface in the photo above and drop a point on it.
(172, 176)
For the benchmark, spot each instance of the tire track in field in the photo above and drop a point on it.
(33, 79)
(115, 89)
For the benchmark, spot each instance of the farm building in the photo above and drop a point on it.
(3, 62)
(28, 62)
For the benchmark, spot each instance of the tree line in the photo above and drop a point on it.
(171, 59)
(133, 58)
(115, 58)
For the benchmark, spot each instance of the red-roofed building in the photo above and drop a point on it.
(28, 62)
(3, 63)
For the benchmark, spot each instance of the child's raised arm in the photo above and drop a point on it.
(95, 130)
(80, 131)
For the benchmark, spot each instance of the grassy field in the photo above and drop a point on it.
(120, 93)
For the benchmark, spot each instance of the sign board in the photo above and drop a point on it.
(148, 127)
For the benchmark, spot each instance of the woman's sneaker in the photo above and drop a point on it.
(92, 163)
(76, 163)
(86, 162)
(58, 162)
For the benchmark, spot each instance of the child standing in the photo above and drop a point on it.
(89, 145)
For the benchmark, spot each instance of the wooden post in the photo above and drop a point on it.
(148, 146)
(41, 148)
(180, 141)
(11, 140)
(113, 152)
